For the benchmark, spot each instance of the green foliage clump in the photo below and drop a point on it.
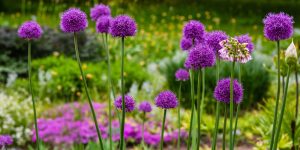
(254, 92)
(58, 77)
(13, 57)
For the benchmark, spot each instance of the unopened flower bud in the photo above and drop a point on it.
(291, 54)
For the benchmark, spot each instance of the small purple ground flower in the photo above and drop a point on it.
(98, 11)
(166, 100)
(103, 24)
(145, 107)
(30, 30)
(278, 26)
(214, 38)
(5, 140)
(129, 103)
(182, 75)
(123, 26)
(194, 30)
(186, 44)
(222, 91)
(245, 38)
(73, 20)
(201, 56)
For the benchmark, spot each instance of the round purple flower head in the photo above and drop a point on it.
(166, 100)
(222, 91)
(194, 30)
(186, 44)
(73, 20)
(5, 140)
(245, 38)
(129, 103)
(187, 64)
(182, 75)
(201, 57)
(30, 30)
(123, 26)
(278, 26)
(214, 38)
(103, 24)
(145, 106)
(99, 10)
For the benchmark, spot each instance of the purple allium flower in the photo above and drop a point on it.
(186, 44)
(214, 38)
(30, 30)
(166, 100)
(103, 24)
(245, 38)
(194, 30)
(129, 103)
(278, 26)
(201, 56)
(5, 140)
(145, 106)
(187, 64)
(182, 75)
(222, 91)
(123, 26)
(99, 10)
(73, 20)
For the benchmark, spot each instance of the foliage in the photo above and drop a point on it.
(13, 58)
(57, 77)
(265, 121)
(251, 71)
(16, 116)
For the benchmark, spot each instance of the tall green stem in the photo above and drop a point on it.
(32, 96)
(202, 94)
(192, 108)
(224, 127)
(143, 130)
(282, 110)
(109, 67)
(123, 95)
(110, 89)
(277, 96)
(199, 106)
(178, 111)
(297, 94)
(163, 130)
(293, 125)
(238, 106)
(231, 107)
(87, 92)
(214, 143)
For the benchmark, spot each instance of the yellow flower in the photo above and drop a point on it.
(84, 66)
(53, 73)
(59, 87)
(89, 76)
(233, 20)
(55, 53)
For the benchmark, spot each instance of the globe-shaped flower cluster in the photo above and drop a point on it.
(222, 91)
(129, 103)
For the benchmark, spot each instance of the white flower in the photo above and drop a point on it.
(232, 50)
(291, 54)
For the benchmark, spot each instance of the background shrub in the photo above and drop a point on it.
(58, 77)
(14, 50)
(255, 79)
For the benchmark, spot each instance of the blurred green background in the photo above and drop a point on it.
(152, 56)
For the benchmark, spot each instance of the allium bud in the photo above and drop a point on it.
(291, 54)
